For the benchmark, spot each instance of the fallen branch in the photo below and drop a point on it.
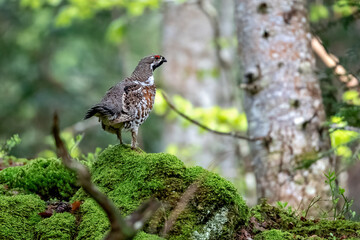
(180, 207)
(120, 228)
(231, 134)
(332, 61)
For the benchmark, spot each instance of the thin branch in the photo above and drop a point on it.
(313, 201)
(348, 128)
(120, 229)
(138, 218)
(332, 61)
(212, 14)
(82, 126)
(231, 134)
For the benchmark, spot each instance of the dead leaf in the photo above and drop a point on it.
(75, 206)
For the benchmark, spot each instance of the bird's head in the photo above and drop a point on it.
(154, 61)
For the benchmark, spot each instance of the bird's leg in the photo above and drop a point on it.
(118, 134)
(134, 133)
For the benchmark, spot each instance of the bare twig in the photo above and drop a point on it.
(348, 128)
(313, 201)
(180, 207)
(120, 229)
(82, 126)
(332, 61)
(138, 218)
(211, 13)
(231, 134)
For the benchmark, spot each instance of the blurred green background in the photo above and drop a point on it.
(55, 59)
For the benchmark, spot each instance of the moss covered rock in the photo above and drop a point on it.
(46, 177)
(146, 236)
(274, 235)
(328, 229)
(129, 178)
(59, 226)
(94, 222)
(269, 222)
(19, 216)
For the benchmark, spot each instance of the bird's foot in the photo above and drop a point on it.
(137, 149)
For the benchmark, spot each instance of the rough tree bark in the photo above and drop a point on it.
(282, 99)
(189, 48)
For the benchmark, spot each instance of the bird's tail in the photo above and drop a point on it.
(99, 109)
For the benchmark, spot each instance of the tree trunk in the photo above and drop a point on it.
(282, 99)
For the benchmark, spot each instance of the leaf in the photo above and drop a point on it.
(318, 12)
(342, 9)
(116, 31)
(75, 206)
(66, 16)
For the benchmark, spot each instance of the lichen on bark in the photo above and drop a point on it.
(282, 100)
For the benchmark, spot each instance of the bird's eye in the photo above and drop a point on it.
(157, 57)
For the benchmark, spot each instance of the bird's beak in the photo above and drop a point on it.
(164, 60)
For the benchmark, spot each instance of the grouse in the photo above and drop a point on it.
(128, 104)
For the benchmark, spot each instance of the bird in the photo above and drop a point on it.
(127, 104)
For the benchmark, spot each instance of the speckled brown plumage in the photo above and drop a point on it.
(128, 104)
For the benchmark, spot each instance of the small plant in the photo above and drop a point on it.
(337, 194)
(283, 205)
(5, 159)
(313, 201)
(6, 147)
(332, 236)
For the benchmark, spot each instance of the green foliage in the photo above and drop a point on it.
(5, 149)
(343, 8)
(46, 177)
(217, 118)
(71, 143)
(289, 226)
(84, 9)
(347, 115)
(133, 177)
(284, 206)
(19, 215)
(318, 12)
(59, 226)
(337, 194)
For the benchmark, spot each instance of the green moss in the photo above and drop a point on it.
(274, 216)
(146, 236)
(3, 189)
(60, 226)
(46, 177)
(324, 228)
(129, 178)
(280, 219)
(274, 235)
(19, 215)
(94, 223)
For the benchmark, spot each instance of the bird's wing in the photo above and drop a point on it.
(123, 98)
